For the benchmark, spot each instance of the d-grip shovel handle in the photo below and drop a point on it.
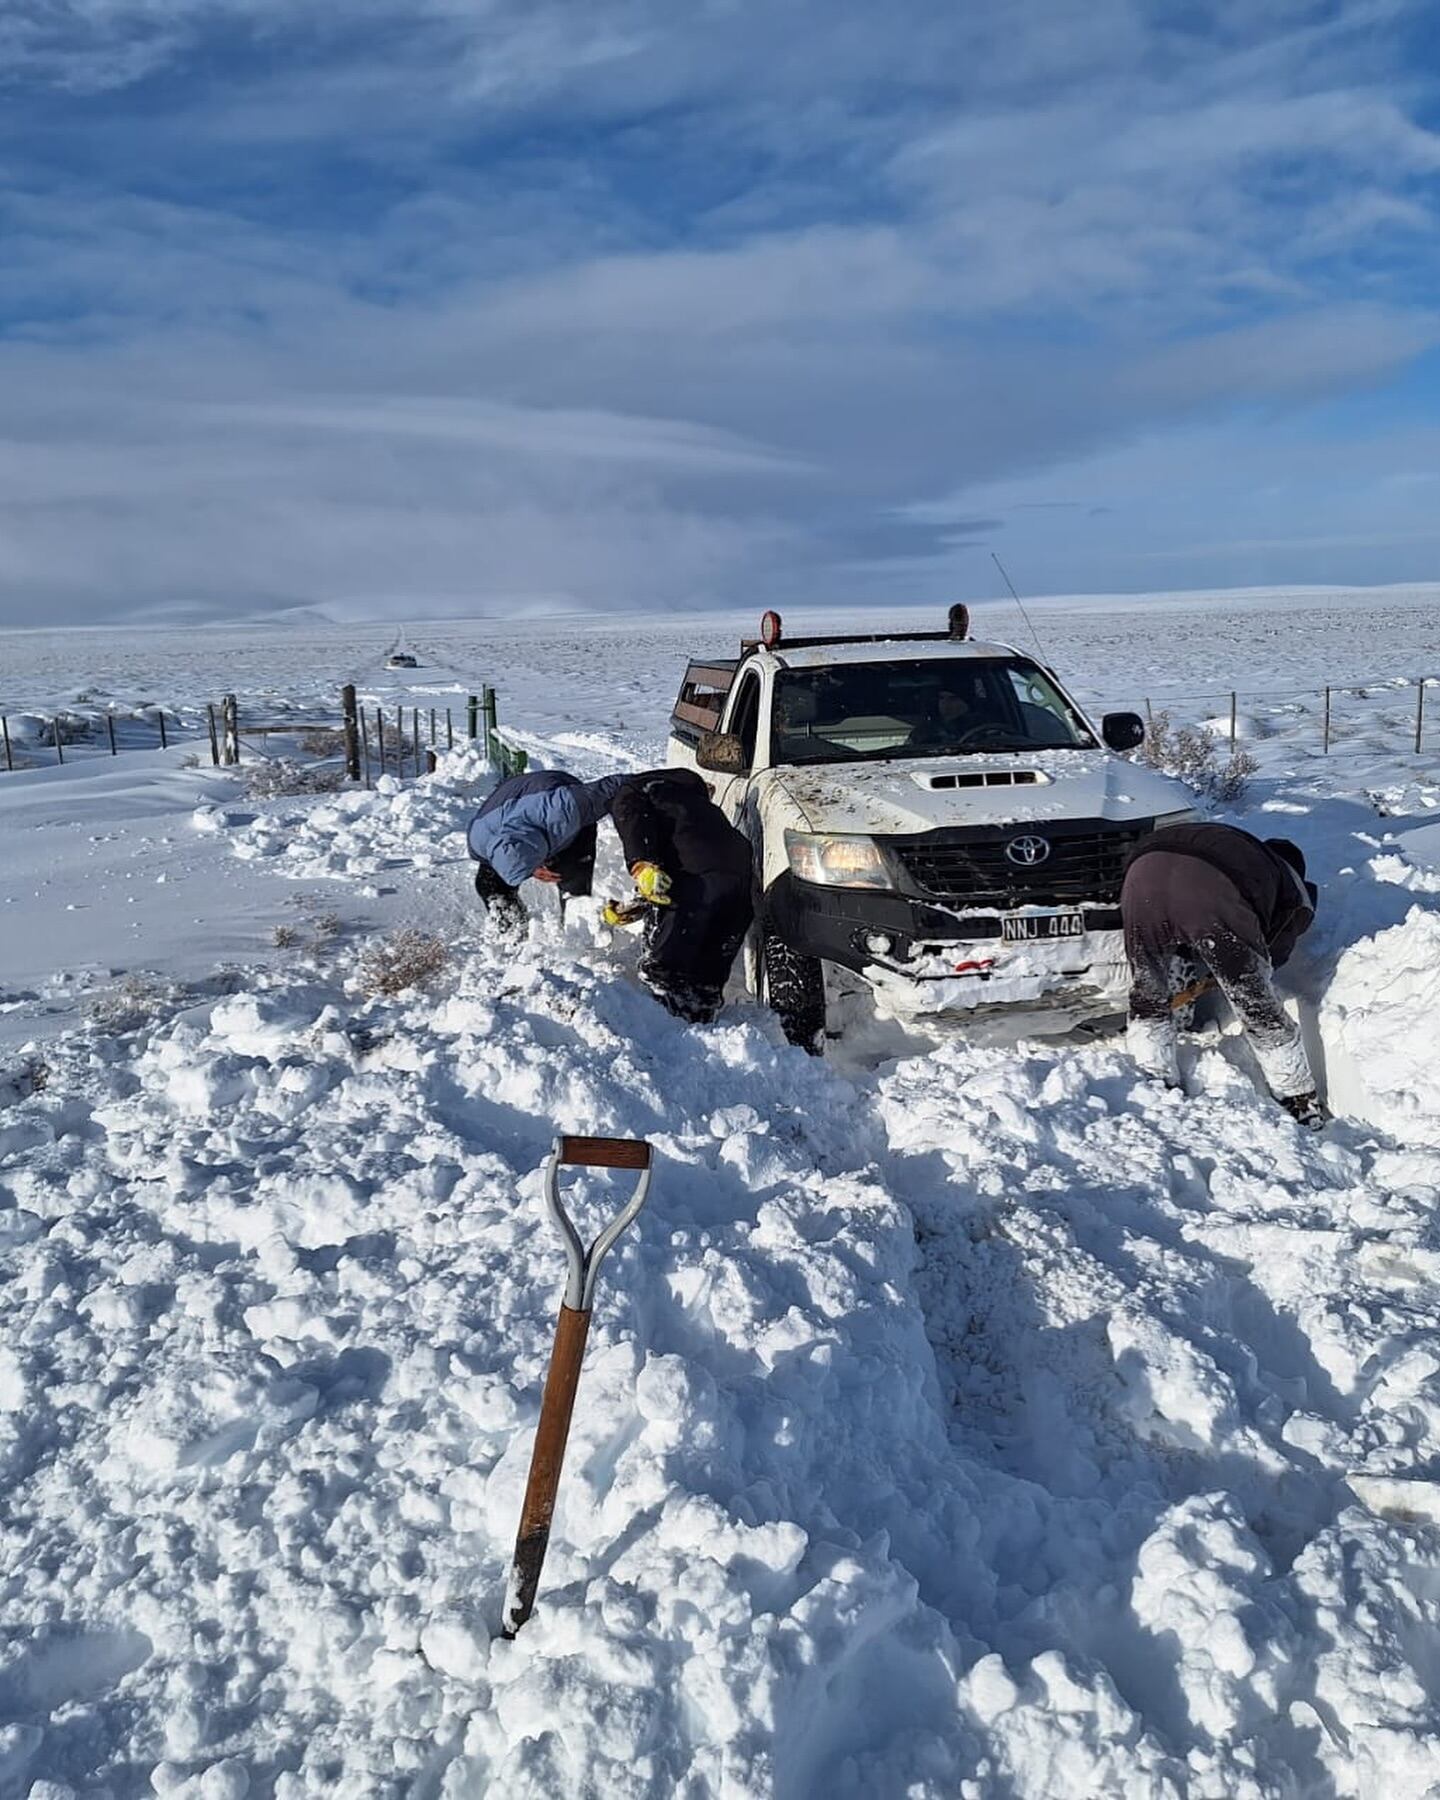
(563, 1377)
(593, 1153)
(603, 1153)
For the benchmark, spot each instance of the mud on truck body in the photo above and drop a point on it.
(933, 814)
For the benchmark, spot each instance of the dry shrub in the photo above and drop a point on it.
(285, 937)
(405, 959)
(278, 778)
(23, 1079)
(323, 740)
(1192, 754)
(74, 728)
(136, 1001)
(327, 927)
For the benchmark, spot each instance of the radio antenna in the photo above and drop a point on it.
(1019, 602)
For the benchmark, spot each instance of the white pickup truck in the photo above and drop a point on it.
(935, 815)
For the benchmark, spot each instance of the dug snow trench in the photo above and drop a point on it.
(987, 1423)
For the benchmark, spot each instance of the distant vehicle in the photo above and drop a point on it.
(935, 815)
(401, 659)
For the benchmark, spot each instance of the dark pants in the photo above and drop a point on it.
(692, 944)
(1181, 917)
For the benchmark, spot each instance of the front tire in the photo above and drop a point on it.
(792, 985)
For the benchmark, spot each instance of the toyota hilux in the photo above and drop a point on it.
(938, 816)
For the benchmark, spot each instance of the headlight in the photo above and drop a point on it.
(850, 862)
(1186, 816)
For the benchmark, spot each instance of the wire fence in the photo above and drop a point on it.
(1388, 707)
(365, 743)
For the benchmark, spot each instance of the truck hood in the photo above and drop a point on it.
(882, 799)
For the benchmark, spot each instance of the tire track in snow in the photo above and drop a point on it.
(1155, 1328)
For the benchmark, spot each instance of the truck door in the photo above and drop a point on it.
(742, 721)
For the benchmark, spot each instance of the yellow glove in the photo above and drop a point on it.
(622, 912)
(653, 883)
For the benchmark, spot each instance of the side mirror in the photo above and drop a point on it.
(1123, 731)
(722, 753)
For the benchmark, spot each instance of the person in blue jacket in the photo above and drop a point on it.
(539, 825)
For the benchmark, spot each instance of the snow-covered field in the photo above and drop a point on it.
(962, 1418)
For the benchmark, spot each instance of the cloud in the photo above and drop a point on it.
(535, 432)
(437, 305)
(1308, 500)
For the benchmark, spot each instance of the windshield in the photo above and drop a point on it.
(959, 707)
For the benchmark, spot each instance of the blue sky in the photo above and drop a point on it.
(464, 306)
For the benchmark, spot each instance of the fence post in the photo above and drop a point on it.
(5, 733)
(399, 743)
(1232, 724)
(449, 730)
(474, 707)
(365, 745)
(415, 737)
(432, 727)
(487, 708)
(1149, 717)
(230, 716)
(380, 738)
(1326, 740)
(59, 752)
(352, 732)
(110, 728)
(430, 762)
(1419, 714)
(164, 741)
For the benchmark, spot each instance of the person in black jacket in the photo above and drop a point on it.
(694, 868)
(1213, 898)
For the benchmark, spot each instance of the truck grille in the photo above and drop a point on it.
(1085, 864)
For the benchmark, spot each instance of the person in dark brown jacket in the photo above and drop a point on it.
(1212, 898)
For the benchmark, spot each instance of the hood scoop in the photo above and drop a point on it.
(979, 778)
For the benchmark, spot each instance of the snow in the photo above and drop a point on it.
(966, 1414)
(1382, 987)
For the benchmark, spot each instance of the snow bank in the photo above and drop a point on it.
(284, 1298)
(1380, 1008)
(986, 1422)
(414, 825)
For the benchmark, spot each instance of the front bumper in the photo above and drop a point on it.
(920, 956)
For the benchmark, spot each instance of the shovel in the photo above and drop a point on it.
(571, 1330)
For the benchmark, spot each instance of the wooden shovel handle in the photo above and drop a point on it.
(605, 1153)
(546, 1461)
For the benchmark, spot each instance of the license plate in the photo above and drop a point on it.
(1032, 928)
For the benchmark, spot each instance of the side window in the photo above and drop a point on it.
(745, 717)
(1048, 720)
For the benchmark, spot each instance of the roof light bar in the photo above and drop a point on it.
(771, 634)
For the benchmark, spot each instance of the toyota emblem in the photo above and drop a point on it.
(1028, 851)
